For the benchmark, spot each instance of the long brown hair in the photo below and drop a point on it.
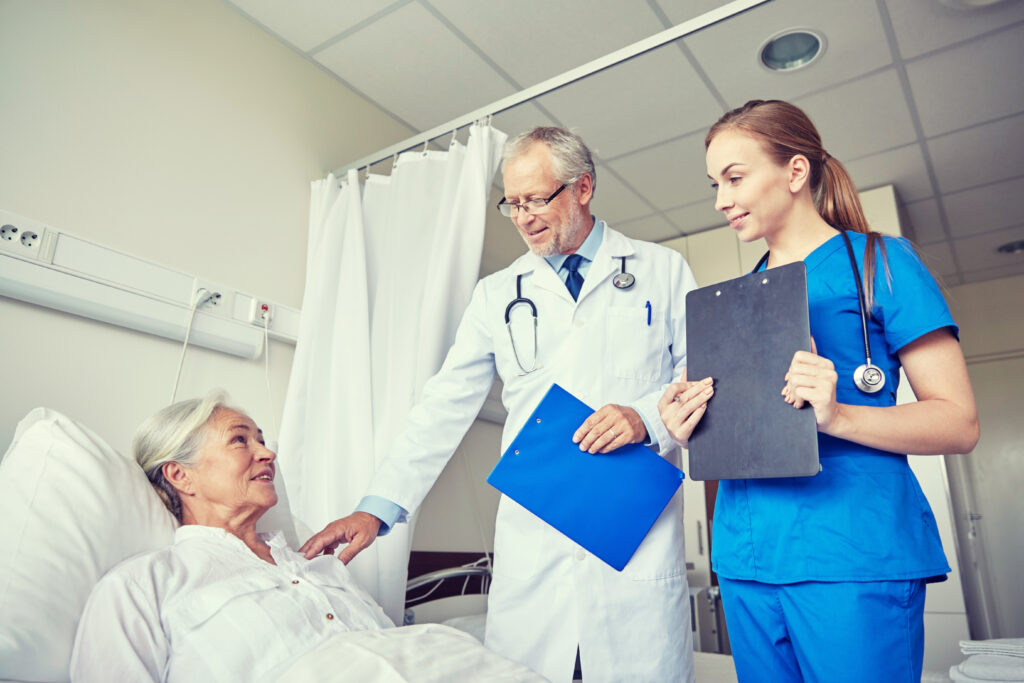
(786, 131)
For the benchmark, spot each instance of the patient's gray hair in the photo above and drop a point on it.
(571, 158)
(174, 434)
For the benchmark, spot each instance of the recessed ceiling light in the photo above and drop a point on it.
(792, 49)
(1011, 247)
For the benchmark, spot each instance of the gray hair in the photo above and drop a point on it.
(174, 434)
(571, 158)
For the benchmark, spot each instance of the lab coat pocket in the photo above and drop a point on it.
(637, 348)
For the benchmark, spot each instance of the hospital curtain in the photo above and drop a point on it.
(389, 274)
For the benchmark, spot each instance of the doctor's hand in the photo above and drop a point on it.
(812, 379)
(358, 530)
(609, 428)
(683, 405)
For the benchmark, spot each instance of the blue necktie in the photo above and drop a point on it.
(574, 281)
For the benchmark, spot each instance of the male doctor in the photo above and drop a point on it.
(610, 345)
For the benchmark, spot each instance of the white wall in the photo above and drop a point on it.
(178, 132)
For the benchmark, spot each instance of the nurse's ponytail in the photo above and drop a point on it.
(786, 131)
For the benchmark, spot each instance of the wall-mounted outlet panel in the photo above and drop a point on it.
(218, 299)
(23, 237)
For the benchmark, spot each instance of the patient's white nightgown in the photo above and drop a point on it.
(208, 609)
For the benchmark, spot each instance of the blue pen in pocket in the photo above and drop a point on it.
(648, 314)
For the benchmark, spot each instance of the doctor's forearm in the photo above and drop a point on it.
(929, 427)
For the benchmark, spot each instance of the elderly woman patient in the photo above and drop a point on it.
(223, 602)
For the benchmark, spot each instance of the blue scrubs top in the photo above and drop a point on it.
(864, 516)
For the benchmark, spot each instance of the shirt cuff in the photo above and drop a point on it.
(652, 437)
(383, 509)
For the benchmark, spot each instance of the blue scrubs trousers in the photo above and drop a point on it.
(826, 632)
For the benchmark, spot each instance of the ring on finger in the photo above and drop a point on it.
(612, 432)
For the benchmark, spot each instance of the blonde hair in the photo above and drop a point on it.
(174, 434)
(786, 131)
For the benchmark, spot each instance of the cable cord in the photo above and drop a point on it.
(266, 365)
(202, 296)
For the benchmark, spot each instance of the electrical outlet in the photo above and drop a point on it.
(216, 299)
(21, 237)
(261, 312)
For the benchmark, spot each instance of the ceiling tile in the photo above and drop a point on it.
(646, 100)
(309, 23)
(861, 117)
(903, 167)
(728, 51)
(979, 252)
(973, 83)
(616, 202)
(424, 92)
(529, 40)
(991, 207)
(979, 155)
(925, 222)
(938, 256)
(654, 228)
(993, 273)
(669, 175)
(924, 25)
(696, 217)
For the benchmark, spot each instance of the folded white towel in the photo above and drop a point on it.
(988, 668)
(1011, 647)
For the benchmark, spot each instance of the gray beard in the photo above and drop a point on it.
(563, 242)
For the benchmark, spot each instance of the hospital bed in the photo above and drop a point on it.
(71, 508)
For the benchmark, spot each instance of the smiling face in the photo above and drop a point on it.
(234, 471)
(561, 227)
(755, 193)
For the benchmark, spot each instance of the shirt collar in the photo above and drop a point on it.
(587, 250)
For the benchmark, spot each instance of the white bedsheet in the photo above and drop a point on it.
(423, 653)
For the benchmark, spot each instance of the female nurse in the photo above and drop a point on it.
(823, 578)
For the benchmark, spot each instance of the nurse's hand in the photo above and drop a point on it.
(812, 379)
(609, 428)
(683, 405)
(358, 530)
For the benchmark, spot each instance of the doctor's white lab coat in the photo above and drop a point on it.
(548, 594)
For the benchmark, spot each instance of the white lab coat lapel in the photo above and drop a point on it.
(607, 260)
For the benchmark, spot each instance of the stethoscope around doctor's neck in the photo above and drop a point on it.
(622, 280)
(869, 378)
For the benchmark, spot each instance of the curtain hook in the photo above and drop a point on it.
(394, 162)
(454, 139)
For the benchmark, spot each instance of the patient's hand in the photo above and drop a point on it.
(358, 530)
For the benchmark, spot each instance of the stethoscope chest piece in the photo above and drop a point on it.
(869, 378)
(622, 279)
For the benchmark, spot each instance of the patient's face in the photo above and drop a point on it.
(234, 470)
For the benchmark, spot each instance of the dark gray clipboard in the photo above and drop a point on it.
(743, 333)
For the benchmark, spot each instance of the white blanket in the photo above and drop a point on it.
(424, 653)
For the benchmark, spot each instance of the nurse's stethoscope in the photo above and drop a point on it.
(622, 280)
(869, 378)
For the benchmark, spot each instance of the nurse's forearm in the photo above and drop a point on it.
(929, 427)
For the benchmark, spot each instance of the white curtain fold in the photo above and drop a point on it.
(388, 276)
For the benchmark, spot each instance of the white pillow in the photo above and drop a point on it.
(71, 508)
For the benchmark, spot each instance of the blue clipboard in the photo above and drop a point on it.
(606, 503)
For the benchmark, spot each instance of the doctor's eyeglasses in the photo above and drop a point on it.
(530, 206)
